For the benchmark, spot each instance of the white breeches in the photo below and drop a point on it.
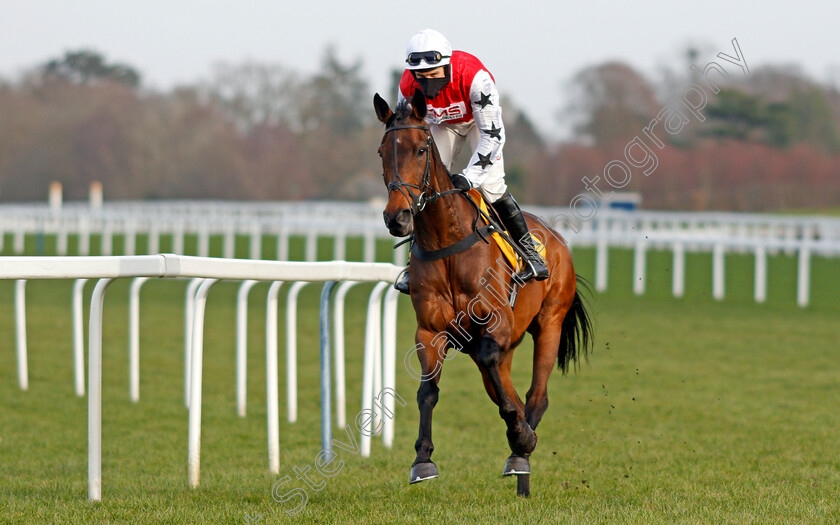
(450, 139)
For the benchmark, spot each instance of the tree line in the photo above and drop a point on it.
(262, 131)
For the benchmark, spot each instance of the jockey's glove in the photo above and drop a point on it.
(460, 182)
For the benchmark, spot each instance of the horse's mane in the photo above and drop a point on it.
(401, 112)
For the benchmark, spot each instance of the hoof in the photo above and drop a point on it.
(516, 466)
(422, 472)
(522, 439)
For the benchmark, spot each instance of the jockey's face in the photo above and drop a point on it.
(430, 73)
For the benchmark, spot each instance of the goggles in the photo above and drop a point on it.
(430, 57)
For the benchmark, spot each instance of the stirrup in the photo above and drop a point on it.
(401, 284)
(533, 268)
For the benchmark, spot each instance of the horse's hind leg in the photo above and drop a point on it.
(546, 346)
(521, 438)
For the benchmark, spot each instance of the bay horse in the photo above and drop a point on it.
(460, 291)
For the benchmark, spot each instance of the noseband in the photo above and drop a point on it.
(418, 201)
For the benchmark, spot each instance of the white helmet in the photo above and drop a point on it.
(427, 49)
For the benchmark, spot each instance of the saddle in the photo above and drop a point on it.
(504, 241)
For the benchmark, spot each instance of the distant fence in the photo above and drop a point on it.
(380, 341)
(641, 231)
(176, 220)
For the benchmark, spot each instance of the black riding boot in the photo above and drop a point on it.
(401, 284)
(514, 222)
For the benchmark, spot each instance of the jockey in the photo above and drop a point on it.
(463, 106)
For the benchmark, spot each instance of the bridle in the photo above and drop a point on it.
(418, 201)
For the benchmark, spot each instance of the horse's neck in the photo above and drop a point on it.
(444, 221)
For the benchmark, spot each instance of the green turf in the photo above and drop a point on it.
(689, 411)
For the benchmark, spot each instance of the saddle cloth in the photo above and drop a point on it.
(510, 254)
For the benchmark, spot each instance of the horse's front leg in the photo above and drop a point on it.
(431, 351)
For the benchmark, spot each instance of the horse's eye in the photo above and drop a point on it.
(380, 153)
(421, 151)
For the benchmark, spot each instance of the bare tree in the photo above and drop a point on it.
(256, 94)
(610, 103)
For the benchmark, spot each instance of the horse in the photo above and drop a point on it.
(461, 291)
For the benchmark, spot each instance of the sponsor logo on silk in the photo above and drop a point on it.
(453, 112)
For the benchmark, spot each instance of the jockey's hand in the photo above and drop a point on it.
(460, 182)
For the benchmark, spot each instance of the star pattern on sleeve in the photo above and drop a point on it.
(484, 101)
(494, 132)
(483, 161)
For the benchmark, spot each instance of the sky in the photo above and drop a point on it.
(533, 48)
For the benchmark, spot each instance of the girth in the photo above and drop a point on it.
(464, 244)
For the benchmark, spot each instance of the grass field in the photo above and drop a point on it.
(688, 411)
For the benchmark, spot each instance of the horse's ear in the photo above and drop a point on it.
(418, 105)
(383, 111)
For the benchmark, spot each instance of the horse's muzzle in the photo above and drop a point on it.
(399, 224)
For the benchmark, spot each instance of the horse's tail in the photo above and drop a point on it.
(576, 335)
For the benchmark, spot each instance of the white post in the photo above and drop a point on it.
(291, 350)
(95, 391)
(19, 240)
(803, 280)
(255, 251)
(338, 337)
(760, 274)
(376, 420)
(229, 242)
(79, 336)
(153, 244)
(718, 278)
(130, 238)
(340, 245)
(389, 359)
(311, 246)
(203, 240)
(107, 246)
(20, 334)
(134, 338)
(242, 345)
(283, 245)
(178, 238)
(639, 268)
(678, 270)
(271, 379)
(194, 448)
(601, 264)
(373, 339)
(370, 246)
(189, 309)
(61, 240)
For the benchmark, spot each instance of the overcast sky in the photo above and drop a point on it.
(531, 47)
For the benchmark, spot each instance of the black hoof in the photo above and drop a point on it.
(516, 466)
(422, 472)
